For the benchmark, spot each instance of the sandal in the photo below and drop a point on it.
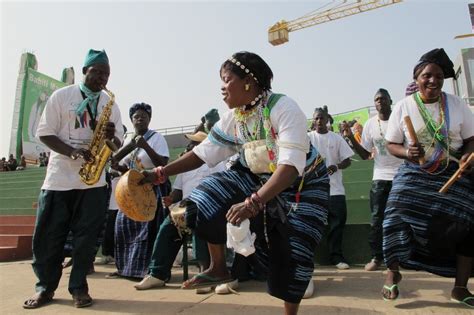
(392, 289)
(113, 275)
(465, 300)
(38, 300)
(203, 280)
(81, 299)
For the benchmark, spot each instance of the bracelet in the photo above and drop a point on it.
(257, 201)
(250, 207)
(161, 176)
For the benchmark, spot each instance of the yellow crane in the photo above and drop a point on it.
(278, 33)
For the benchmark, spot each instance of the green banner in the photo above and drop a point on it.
(37, 90)
(360, 115)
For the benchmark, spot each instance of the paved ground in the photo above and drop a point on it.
(351, 291)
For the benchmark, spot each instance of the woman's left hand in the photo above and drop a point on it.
(468, 170)
(141, 142)
(238, 213)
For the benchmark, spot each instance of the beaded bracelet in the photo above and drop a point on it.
(256, 200)
(160, 174)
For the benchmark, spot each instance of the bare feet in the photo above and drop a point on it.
(390, 289)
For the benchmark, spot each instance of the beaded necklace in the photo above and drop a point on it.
(380, 129)
(270, 139)
(242, 115)
(439, 132)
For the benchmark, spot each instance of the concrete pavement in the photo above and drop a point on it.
(352, 291)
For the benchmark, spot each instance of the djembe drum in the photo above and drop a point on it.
(138, 202)
(177, 211)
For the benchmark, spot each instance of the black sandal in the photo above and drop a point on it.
(38, 300)
(81, 299)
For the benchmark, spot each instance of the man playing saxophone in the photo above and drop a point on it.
(65, 202)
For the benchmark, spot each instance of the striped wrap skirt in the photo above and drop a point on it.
(424, 229)
(285, 248)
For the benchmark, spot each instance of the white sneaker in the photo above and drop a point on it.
(309, 290)
(373, 265)
(342, 265)
(227, 288)
(204, 290)
(104, 260)
(149, 282)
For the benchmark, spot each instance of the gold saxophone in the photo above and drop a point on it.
(100, 147)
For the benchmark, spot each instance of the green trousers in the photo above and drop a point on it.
(80, 211)
(166, 247)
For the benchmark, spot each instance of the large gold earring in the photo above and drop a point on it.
(247, 87)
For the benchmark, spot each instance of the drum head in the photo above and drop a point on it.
(177, 215)
(138, 202)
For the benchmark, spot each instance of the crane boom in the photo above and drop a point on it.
(278, 33)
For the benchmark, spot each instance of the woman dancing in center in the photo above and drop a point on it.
(280, 182)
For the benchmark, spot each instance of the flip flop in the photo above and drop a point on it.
(390, 289)
(206, 281)
(464, 301)
(41, 300)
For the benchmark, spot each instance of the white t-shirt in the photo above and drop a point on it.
(288, 121)
(157, 142)
(113, 202)
(334, 149)
(461, 123)
(187, 181)
(385, 164)
(59, 118)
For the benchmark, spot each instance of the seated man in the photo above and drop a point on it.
(12, 164)
(168, 241)
(3, 165)
(22, 165)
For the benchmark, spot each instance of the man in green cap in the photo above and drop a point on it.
(207, 121)
(66, 203)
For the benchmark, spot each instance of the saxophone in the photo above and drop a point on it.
(100, 147)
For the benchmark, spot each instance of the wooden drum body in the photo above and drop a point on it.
(177, 215)
(138, 202)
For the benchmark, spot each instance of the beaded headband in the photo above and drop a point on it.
(243, 67)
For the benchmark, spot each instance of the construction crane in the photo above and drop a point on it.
(278, 33)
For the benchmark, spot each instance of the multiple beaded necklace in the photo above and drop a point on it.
(242, 116)
(439, 131)
(262, 113)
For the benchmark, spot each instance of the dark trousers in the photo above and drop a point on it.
(108, 244)
(166, 247)
(337, 216)
(378, 201)
(80, 211)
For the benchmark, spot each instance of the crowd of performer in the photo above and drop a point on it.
(256, 185)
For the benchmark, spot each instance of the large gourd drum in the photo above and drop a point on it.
(138, 202)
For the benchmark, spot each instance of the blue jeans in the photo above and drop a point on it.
(378, 201)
